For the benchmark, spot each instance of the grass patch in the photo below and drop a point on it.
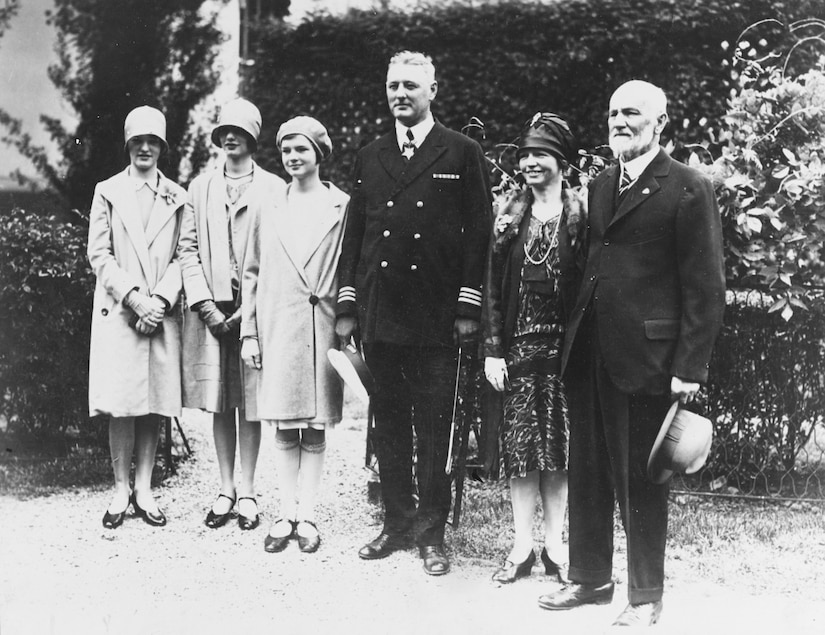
(764, 547)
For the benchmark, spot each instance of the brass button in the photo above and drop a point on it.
(390, 203)
(420, 204)
(413, 267)
(384, 264)
(386, 233)
(416, 236)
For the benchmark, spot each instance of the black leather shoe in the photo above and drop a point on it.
(274, 544)
(509, 572)
(640, 614)
(381, 547)
(113, 521)
(213, 520)
(308, 544)
(435, 559)
(559, 571)
(150, 518)
(574, 595)
(245, 522)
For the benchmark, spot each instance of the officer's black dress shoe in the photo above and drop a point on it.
(509, 572)
(213, 520)
(245, 522)
(574, 595)
(435, 559)
(551, 568)
(150, 518)
(381, 547)
(640, 614)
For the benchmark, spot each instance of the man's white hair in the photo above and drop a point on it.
(653, 95)
(414, 58)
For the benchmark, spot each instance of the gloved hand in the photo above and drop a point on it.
(464, 331)
(149, 309)
(143, 327)
(213, 317)
(346, 328)
(233, 320)
(495, 370)
(251, 353)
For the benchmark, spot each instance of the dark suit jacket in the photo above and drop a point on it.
(654, 278)
(414, 246)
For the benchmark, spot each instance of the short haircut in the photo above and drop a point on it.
(414, 58)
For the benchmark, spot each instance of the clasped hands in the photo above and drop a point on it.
(495, 370)
(148, 309)
(216, 320)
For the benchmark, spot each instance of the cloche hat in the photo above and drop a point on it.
(310, 128)
(145, 120)
(239, 113)
(549, 132)
(682, 445)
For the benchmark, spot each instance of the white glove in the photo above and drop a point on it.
(684, 391)
(251, 353)
(495, 370)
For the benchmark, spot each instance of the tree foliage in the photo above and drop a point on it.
(114, 55)
(770, 175)
(501, 62)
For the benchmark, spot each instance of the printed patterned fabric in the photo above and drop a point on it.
(535, 428)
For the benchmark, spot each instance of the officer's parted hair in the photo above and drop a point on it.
(414, 58)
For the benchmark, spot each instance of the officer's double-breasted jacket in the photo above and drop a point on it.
(416, 237)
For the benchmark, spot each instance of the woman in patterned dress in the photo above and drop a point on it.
(536, 233)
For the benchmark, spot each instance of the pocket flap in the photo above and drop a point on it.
(662, 329)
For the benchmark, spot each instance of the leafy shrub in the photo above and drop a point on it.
(770, 177)
(46, 289)
(503, 62)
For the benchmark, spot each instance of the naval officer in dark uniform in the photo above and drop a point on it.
(410, 283)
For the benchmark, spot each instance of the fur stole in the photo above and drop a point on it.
(510, 208)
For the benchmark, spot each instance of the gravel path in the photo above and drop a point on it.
(62, 573)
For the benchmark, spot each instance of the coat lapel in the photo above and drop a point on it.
(604, 197)
(167, 202)
(120, 192)
(331, 220)
(389, 156)
(217, 229)
(645, 187)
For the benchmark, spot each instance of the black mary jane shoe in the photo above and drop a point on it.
(559, 571)
(510, 572)
(150, 518)
(308, 544)
(213, 520)
(245, 522)
(274, 544)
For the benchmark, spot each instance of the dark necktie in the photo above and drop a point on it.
(408, 149)
(625, 183)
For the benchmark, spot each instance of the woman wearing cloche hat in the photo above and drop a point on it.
(213, 246)
(134, 359)
(289, 295)
(536, 233)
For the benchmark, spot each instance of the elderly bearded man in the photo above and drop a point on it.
(410, 281)
(641, 333)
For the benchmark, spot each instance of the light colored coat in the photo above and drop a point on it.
(131, 374)
(289, 305)
(204, 222)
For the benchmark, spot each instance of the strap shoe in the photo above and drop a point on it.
(510, 572)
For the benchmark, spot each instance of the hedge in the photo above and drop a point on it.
(503, 62)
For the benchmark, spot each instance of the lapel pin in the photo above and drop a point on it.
(646, 191)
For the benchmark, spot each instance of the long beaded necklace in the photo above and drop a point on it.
(537, 241)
